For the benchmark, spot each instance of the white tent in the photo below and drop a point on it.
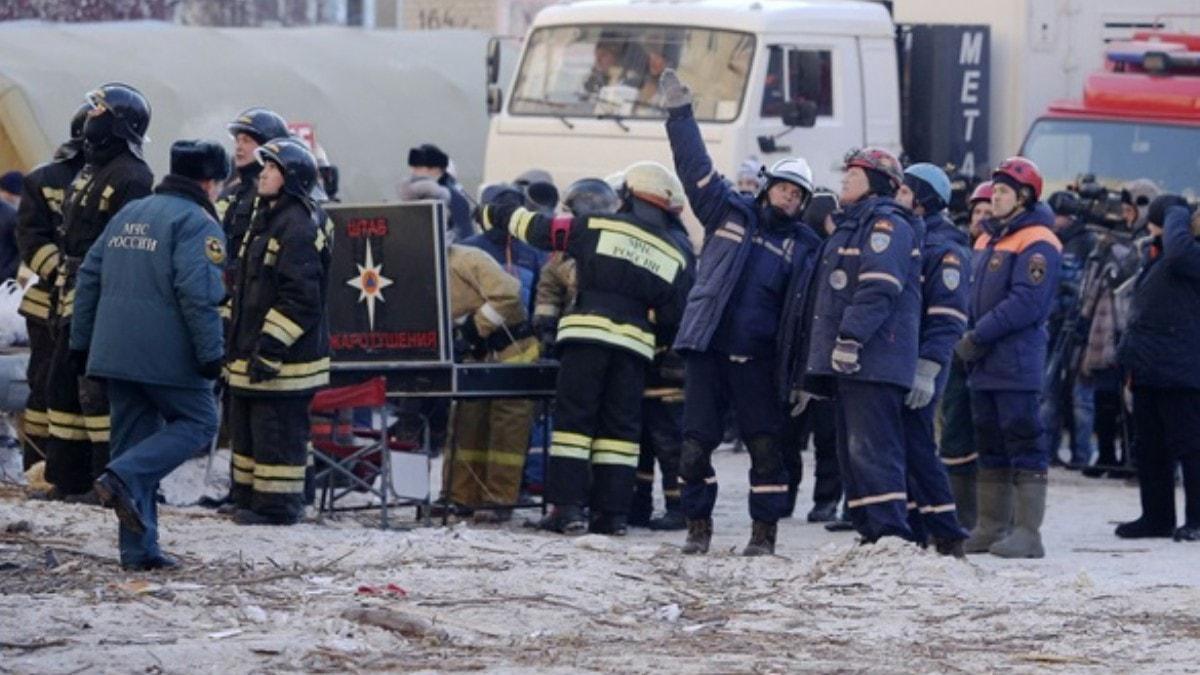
(370, 95)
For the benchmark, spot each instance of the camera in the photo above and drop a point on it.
(1098, 205)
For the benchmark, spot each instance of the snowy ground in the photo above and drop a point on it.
(312, 598)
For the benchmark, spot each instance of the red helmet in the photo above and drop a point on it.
(982, 193)
(1024, 172)
(879, 159)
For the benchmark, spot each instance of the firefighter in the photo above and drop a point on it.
(752, 249)
(147, 318)
(492, 325)
(516, 257)
(631, 280)
(957, 443)
(1014, 280)
(251, 129)
(113, 175)
(864, 343)
(944, 274)
(38, 218)
(278, 354)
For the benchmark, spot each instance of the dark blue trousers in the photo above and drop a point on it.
(871, 453)
(154, 430)
(1008, 430)
(715, 382)
(930, 502)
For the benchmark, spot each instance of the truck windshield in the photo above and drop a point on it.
(612, 70)
(1116, 152)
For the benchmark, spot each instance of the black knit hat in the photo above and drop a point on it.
(428, 155)
(1157, 212)
(199, 160)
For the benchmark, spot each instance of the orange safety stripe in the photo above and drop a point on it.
(1021, 239)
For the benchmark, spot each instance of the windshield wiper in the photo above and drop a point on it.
(561, 117)
(616, 118)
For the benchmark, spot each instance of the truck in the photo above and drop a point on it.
(1138, 117)
(770, 80)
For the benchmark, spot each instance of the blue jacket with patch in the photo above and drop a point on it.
(744, 268)
(149, 289)
(867, 288)
(945, 280)
(1014, 282)
(1160, 345)
(516, 257)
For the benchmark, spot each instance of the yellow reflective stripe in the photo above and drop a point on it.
(506, 458)
(571, 452)
(614, 459)
(881, 276)
(273, 245)
(279, 486)
(243, 477)
(97, 436)
(470, 456)
(570, 438)
(287, 471)
(959, 461)
(36, 416)
(68, 433)
(639, 234)
(277, 333)
(288, 326)
(243, 462)
(96, 422)
(614, 445)
(291, 377)
(672, 493)
(599, 335)
(44, 260)
(878, 499)
(33, 309)
(605, 323)
(518, 223)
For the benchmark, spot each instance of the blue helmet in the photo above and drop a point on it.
(934, 177)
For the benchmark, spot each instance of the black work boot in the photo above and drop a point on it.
(823, 512)
(699, 536)
(762, 539)
(248, 517)
(566, 519)
(111, 493)
(949, 547)
(159, 562)
(671, 520)
(641, 508)
(1156, 489)
(612, 524)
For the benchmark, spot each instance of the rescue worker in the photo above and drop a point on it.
(38, 218)
(864, 343)
(752, 248)
(537, 185)
(1014, 277)
(957, 443)
(516, 257)
(1159, 352)
(492, 325)
(113, 175)
(631, 283)
(278, 354)
(251, 129)
(147, 322)
(428, 161)
(945, 276)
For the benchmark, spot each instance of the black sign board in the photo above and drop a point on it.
(945, 79)
(388, 302)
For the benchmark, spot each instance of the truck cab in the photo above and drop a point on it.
(1138, 118)
(770, 80)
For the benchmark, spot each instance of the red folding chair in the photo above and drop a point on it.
(353, 459)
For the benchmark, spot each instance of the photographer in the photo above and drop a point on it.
(1159, 351)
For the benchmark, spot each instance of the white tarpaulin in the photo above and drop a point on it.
(370, 95)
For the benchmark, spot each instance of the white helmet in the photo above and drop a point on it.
(656, 184)
(794, 170)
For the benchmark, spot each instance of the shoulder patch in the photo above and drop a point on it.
(951, 278)
(1037, 268)
(214, 249)
(880, 241)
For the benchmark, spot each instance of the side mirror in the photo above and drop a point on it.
(800, 114)
(768, 146)
(493, 60)
(495, 99)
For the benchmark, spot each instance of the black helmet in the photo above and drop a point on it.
(130, 111)
(77, 122)
(591, 196)
(1064, 203)
(295, 162)
(260, 124)
(498, 194)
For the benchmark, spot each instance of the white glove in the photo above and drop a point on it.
(799, 400)
(924, 384)
(675, 93)
(845, 357)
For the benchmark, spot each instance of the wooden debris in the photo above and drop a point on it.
(405, 624)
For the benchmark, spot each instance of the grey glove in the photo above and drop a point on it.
(968, 350)
(923, 385)
(845, 357)
(675, 93)
(799, 400)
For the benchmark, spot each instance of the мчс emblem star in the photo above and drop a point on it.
(370, 283)
(1037, 268)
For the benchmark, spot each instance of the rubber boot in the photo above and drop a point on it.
(642, 505)
(962, 486)
(699, 536)
(762, 539)
(995, 509)
(1025, 539)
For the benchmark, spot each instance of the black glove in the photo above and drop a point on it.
(77, 360)
(968, 350)
(468, 342)
(261, 370)
(210, 370)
